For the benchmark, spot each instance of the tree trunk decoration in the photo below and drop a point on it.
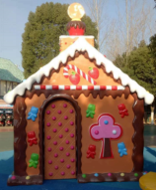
(105, 130)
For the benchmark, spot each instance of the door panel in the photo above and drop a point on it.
(59, 141)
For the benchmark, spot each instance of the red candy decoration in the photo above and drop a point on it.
(93, 72)
(76, 31)
(91, 151)
(32, 138)
(122, 110)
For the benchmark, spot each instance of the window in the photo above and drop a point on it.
(14, 84)
(3, 89)
(9, 86)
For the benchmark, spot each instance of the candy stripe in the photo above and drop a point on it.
(77, 87)
(78, 71)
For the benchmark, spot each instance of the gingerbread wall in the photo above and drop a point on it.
(105, 102)
(107, 105)
(83, 63)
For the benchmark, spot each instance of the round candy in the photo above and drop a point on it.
(59, 124)
(72, 160)
(55, 155)
(122, 174)
(55, 142)
(72, 147)
(62, 160)
(106, 122)
(68, 166)
(66, 129)
(96, 132)
(62, 173)
(59, 112)
(114, 132)
(67, 142)
(50, 161)
(56, 167)
(61, 148)
(48, 124)
(66, 117)
(27, 177)
(60, 136)
(84, 175)
(54, 118)
(71, 123)
(72, 135)
(64, 105)
(54, 130)
(53, 105)
(96, 175)
(48, 112)
(72, 172)
(50, 174)
(48, 137)
(67, 154)
(49, 149)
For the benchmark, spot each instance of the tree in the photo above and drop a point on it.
(41, 37)
(106, 130)
(96, 8)
(131, 26)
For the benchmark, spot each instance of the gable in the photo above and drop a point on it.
(81, 45)
(83, 64)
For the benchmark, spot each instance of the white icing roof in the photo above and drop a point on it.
(80, 45)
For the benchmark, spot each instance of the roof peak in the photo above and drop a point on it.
(80, 45)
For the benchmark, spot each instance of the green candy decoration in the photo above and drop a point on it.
(84, 175)
(90, 111)
(33, 160)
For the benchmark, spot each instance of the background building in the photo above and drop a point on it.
(10, 76)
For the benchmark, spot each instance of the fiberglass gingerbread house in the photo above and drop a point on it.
(79, 116)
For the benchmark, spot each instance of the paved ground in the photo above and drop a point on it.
(6, 137)
(6, 141)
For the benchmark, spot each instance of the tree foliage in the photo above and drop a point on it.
(41, 35)
(139, 66)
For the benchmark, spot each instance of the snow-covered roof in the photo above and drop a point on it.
(80, 45)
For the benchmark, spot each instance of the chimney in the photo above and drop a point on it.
(76, 28)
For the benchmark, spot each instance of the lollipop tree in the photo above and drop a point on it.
(105, 130)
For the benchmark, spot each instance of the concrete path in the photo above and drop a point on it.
(6, 141)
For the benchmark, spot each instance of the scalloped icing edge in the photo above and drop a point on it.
(80, 45)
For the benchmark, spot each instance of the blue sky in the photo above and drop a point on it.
(14, 14)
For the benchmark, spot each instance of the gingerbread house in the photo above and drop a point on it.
(80, 117)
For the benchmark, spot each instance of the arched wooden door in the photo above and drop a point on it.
(59, 140)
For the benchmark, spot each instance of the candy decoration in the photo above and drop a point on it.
(74, 78)
(122, 150)
(84, 175)
(122, 174)
(91, 151)
(103, 131)
(136, 174)
(78, 87)
(27, 177)
(32, 138)
(122, 110)
(96, 174)
(32, 113)
(93, 72)
(90, 111)
(79, 72)
(33, 162)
